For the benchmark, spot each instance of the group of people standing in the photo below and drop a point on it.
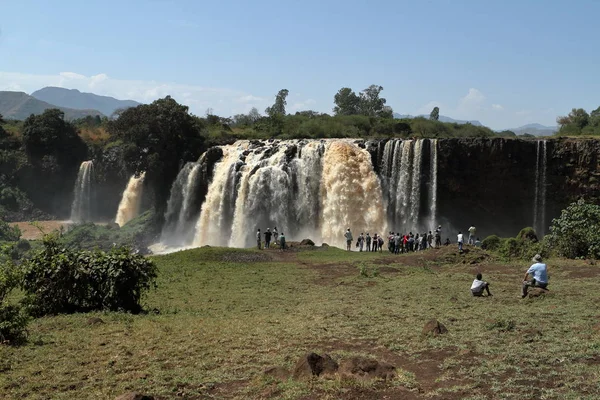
(396, 242)
(278, 238)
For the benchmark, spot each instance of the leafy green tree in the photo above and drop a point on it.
(49, 134)
(576, 233)
(279, 107)
(595, 118)
(157, 138)
(577, 119)
(434, 115)
(372, 105)
(346, 102)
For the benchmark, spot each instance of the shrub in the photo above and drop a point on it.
(59, 280)
(13, 324)
(9, 233)
(13, 320)
(527, 234)
(491, 242)
(576, 233)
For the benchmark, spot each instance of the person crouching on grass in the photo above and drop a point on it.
(479, 286)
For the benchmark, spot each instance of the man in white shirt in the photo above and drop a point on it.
(479, 286)
(460, 241)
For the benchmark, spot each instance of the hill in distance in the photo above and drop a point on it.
(20, 105)
(442, 118)
(73, 98)
(536, 130)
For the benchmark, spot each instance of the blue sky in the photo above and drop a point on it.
(505, 63)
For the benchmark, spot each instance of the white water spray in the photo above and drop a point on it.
(433, 183)
(81, 208)
(539, 202)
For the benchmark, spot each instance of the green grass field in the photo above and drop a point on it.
(221, 317)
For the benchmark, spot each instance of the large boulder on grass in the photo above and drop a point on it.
(434, 328)
(313, 364)
(307, 242)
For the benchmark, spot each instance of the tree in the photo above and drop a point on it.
(157, 138)
(279, 107)
(372, 105)
(3, 133)
(254, 115)
(49, 134)
(578, 118)
(576, 233)
(434, 115)
(595, 118)
(346, 102)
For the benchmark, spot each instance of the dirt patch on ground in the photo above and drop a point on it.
(426, 367)
(329, 274)
(31, 232)
(582, 272)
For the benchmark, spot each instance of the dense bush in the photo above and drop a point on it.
(576, 233)
(59, 280)
(527, 234)
(13, 320)
(491, 242)
(9, 233)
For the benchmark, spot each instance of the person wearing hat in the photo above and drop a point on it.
(539, 275)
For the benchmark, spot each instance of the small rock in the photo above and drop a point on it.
(313, 364)
(134, 396)
(434, 327)
(324, 245)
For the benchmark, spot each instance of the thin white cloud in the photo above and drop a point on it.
(224, 101)
(472, 101)
(72, 75)
(497, 107)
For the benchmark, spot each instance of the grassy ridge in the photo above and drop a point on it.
(222, 316)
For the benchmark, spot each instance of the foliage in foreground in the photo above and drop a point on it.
(57, 280)
(576, 233)
(13, 319)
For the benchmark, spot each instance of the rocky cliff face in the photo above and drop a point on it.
(496, 183)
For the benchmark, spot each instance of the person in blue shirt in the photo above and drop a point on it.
(539, 275)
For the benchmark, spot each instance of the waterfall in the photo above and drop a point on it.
(81, 209)
(433, 183)
(415, 195)
(351, 193)
(404, 186)
(129, 206)
(539, 202)
(306, 188)
(179, 218)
